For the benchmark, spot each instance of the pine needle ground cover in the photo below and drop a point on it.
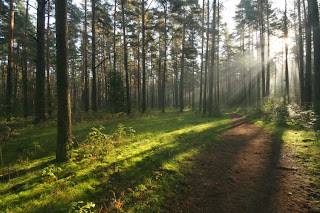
(122, 164)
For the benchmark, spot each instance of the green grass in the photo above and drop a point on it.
(143, 172)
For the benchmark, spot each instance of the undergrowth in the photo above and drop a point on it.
(135, 164)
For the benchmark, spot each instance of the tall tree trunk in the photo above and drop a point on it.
(250, 70)
(152, 84)
(182, 66)
(258, 73)
(41, 67)
(212, 68)
(165, 59)
(114, 37)
(193, 83)
(268, 51)
(10, 61)
(48, 63)
(202, 45)
(286, 55)
(217, 108)
(64, 108)
(159, 76)
(125, 51)
(139, 75)
(94, 77)
(176, 86)
(308, 87)
(243, 74)
(25, 65)
(143, 62)
(301, 61)
(73, 83)
(206, 63)
(16, 80)
(262, 43)
(3, 87)
(86, 74)
(316, 49)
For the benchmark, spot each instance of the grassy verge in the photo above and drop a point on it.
(133, 164)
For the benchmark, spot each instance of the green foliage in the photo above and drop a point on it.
(99, 144)
(96, 145)
(81, 207)
(270, 110)
(123, 131)
(304, 118)
(49, 173)
(6, 131)
(273, 110)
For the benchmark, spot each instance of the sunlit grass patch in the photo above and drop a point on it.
(130, 165)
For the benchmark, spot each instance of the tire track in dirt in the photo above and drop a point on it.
(249, 171)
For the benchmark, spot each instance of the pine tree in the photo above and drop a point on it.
(63, 94)
(41, 68)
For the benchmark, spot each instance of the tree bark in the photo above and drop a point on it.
(10, 61)
(206, 63)
(176, 86)
(125, 51)
(212, 72)
(308, 87)
(25, 65)
(86, 74)
(193, 84)
(287, 91)
(139, 75)
(316, 50)
(159, 76)
(64, 108)
(268, 51)
(202, 45)
(48, 64)
(301, 60)
(94, 77)
(143, 62)
(262, 43)
(217, 108)
(165, 59)
(182, 66)
(73, 83)
(16, 81)
(114, 37)
(41, 68)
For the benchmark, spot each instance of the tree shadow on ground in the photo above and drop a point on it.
(218, 182)
(120, 178)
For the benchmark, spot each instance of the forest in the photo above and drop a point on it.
(159, 106)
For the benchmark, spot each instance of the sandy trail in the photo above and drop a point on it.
(249, 171)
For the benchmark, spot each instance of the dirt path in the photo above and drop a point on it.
(249, 171)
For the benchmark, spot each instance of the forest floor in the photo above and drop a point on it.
(125, 164)
(249, 171)
(160, 162)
